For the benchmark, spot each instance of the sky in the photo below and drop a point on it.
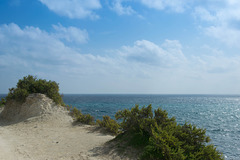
(122, 46)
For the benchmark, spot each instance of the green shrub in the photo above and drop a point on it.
(86, 119)
(109, 124)
(160, 138)
(30, 84)
(136, 120)
(75, 113)
(17, 94)
(2, 102)
(68, 107)
(82, 118)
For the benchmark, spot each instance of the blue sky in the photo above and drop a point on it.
(123, 46)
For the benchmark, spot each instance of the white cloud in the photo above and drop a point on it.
(144, 67)
(204, 14)
(223, 20)
(147, 52)
(30, 50)
(75, 9)
(227, 35)
(71, 34)
(174, 5)
(121, 9)
(34, 47)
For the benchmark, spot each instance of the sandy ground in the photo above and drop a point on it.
(38, 140)
(40, 130)
(48, 138)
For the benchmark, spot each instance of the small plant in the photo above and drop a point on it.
(75, 113)
(109, 124)
(86, 119)
(2, 102)
(82, 118)
(68, 107)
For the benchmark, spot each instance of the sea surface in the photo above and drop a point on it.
(219, 114)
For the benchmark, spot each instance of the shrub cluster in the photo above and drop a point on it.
(2, 102)
(109, 124)
(161, 137)
(31, 84)
(82, 118)
(68, 107)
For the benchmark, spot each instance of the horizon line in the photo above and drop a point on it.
(217, 94)
(144, 94)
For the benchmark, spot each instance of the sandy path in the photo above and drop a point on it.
(6, 149)
(40, 130)
(49, 140)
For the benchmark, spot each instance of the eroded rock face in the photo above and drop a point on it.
(10, 111)
(36, 105)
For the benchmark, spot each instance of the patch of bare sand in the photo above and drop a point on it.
(52, 136)
(45, 140)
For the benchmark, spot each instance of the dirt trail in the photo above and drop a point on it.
(41, 130)
(49, 140)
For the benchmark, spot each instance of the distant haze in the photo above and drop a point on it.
(122, 46)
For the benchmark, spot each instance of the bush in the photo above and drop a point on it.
(68, 107)
(17, 94)
(160, 137)
(82, 118)
(2, 102)
(109, 124)
(86, 119)
(75, 113)
(30, 84)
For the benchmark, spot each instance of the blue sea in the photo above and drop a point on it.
(219, 114)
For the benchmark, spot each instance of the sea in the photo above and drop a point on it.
(218, 114)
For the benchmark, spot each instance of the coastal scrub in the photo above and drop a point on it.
(109, 124)
(2, 102)
(31, 84)
(160, 138)
(82, 118)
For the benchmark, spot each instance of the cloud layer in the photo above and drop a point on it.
(120, 9)
(74, 9)
(71, 34)
(223, 20)
(174, 5)
(222, 17)
(145, 66)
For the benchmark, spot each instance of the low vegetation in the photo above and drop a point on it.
(155, 135)
(160, 138)
(109, 125)
(68, 107)
(82, 118)
(31, 84)
(2, 102)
